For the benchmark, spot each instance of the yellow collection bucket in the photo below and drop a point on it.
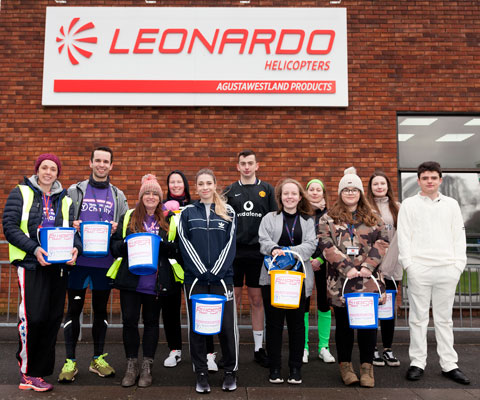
(286, 288)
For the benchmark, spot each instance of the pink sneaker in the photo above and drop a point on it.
(35, 383)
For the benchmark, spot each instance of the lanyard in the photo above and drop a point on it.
(100, 214)
(46, 205)
(351, 227)
(47, 202)
(290, 233)
(351, 230)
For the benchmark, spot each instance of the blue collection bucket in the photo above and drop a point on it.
(58, 243)
(95, 238)
(143, 250)
(362, 308)
(387, 310)
(207, 313)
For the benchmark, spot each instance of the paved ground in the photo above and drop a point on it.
(319, 380)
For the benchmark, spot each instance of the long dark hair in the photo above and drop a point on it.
(392, 204)
(364, 213)
(303, 207)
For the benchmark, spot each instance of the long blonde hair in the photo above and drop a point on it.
(218, 200)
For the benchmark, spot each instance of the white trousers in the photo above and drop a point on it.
(435, 284)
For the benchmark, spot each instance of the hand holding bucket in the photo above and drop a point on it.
(286, 285)
(207, 311)
(58, 244)
(143, 249)
(95, 238)
(362, 307)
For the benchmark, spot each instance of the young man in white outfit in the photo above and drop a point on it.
(432, 244)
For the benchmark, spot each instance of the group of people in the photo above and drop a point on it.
(217, 244)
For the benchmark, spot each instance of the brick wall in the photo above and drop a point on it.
(403, 55)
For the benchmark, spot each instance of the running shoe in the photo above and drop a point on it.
(173, 359)
(101, 367)
(34, 383)
(69, 370)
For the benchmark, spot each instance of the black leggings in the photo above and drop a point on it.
(275, 321)
(321, 286)
(344, 336)
(131, 303)
(76, 300)
(388, 325)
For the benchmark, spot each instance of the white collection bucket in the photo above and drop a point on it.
(58, 243)
(95, 238)
(362, 308)
(286, 285)
(207, 312)
(387, 310)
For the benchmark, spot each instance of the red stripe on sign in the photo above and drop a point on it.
(153, 86)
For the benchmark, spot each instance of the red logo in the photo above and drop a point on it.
(70, 41)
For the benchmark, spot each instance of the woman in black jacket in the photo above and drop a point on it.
(178, 195)
(149, 293)
(207, 231)
(39, 201)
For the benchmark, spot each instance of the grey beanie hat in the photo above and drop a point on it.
(350, 179)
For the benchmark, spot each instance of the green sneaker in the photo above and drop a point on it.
(101, 367)
(69, 371)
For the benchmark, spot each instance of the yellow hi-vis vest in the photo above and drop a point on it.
(177, 269)
(27, 194)
(113, 270)
(178, 272)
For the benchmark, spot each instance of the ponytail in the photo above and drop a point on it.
(221, 207)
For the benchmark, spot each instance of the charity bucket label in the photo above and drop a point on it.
(140, 250)
(96, 238)
(361, 310)
(287, 289)
(208, 317)
(385, 311)
(60, 245)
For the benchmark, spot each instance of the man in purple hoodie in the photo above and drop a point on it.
(94, 199)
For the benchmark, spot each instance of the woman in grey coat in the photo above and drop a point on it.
(291, 226)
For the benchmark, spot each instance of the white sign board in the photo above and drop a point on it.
(195, 56)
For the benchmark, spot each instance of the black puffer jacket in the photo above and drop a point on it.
(125, 280)
(12, 216)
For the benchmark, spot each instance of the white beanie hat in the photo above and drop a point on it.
(350, 179)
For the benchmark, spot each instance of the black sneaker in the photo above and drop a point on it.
(377, 360)
(295, 377)
(202, 383)
(390, 359)
(261, 357)
(275, 376)
(229, 381)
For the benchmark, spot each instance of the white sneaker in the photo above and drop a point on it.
(305, 356)
(173, 359)
(326, 356)
(211, 364)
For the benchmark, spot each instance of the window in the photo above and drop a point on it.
(454, 142)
